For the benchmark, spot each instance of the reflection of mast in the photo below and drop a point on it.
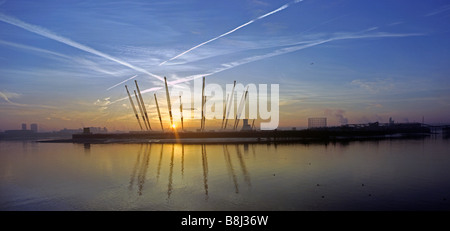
(181, 113)
(140, 109)
(243, 167)
(87, 148)
(143, 105)
(133, 174)
(159, 164)
(253, 150)
(203, 117)
(169, 186)
(143, 169)
(241, 106)
(168, 102)
(225, 110)
(229, 105)
(134, 108)
(203, 104)
(205, 170)
(159, 113)
(230, 168)
(182, 160)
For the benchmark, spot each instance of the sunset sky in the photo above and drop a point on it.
(64, 64)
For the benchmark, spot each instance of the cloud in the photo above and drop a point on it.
(10, 95)
(438, 11)
(81, 61)
(103, 102)
(299, 45)
(48, 34)
(233, 30)
(295, 47)
(21, 46)
(261, 3)
(288, 46)
(132, 77)
(374, 105)
(376, 86)
(395, 23)
(338, 113)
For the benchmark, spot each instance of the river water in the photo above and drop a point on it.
(407, 174)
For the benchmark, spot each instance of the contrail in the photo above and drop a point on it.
(48, 34)
(299, 46)
(5, 97)
(121, 82)
(21, 46)
(295, 47)
(233, 30)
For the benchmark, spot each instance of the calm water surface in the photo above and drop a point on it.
(370, 175)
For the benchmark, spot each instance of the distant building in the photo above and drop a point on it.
(24, 126)
(87, 131)
(95, 130)
(246, 126)
(19, 133)
(98, 130)
(34, 127)
(317, 122)
(70, 131)
(391, 121)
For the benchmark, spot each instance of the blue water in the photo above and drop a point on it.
(369, 175)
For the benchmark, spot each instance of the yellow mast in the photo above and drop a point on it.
(134, 108)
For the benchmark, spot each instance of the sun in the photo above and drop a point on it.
(174, 126)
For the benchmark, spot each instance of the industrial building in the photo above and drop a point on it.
(317, 122)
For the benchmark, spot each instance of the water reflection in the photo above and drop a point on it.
(169, 186)
(142, 165)
(230, 168)
(243, 167)
(391, 174)
(160, 160)
(182, 160)
(133, 174)
(205, 170)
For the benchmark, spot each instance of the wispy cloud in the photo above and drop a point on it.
(48, 34)
(439, 10)
(300, 45)
(132, 77)
(51, 54)
(31, 48)
(338, 114)
(293, 46)
(7, 96)
(375, 86)
(233, 30)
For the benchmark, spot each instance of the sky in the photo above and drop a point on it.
(64, 64)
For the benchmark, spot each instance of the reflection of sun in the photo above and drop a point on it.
(173, 126)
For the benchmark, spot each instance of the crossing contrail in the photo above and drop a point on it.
(48, 34)
(295, 47)
(122, 82)
(233, 30)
